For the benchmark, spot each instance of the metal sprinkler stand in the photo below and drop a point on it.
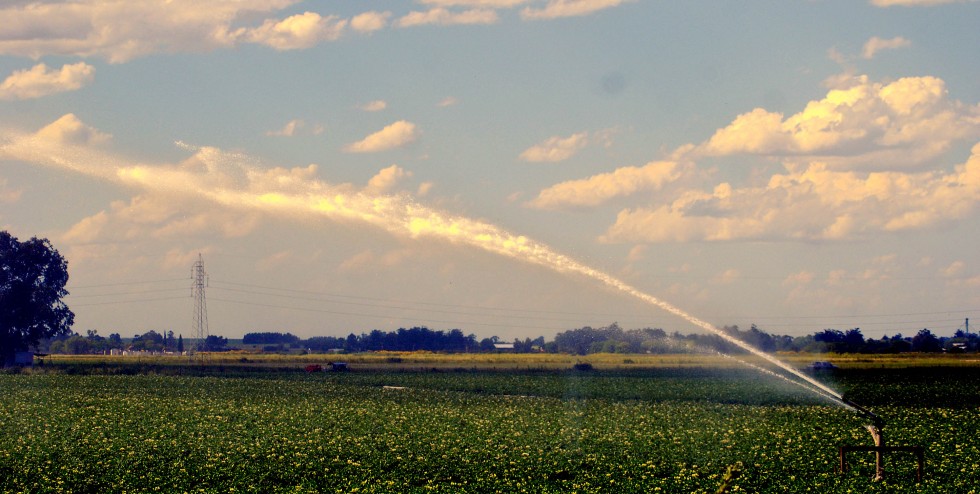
(879, 448)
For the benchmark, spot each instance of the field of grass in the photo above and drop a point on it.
(429, 423)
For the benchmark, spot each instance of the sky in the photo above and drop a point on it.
(510, 168)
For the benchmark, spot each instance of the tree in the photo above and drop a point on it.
(33, 276)
(925, 341)
(215, 343)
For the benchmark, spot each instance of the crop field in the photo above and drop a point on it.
(650, 429)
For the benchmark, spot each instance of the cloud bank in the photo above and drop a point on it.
(851, 166)
(121, 31)
(40, 81)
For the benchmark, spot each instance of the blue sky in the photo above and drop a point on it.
(343, 167)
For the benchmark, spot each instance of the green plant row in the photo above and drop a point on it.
(436, 432)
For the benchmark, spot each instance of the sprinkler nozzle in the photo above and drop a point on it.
(875, 420)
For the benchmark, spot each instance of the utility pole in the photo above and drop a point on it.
(200, 316)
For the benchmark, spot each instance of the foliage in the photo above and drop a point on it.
(613, 339)
(436, 432)
(215, 343)
(270, 338)
(33, 276)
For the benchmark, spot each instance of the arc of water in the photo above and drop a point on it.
(229, 180)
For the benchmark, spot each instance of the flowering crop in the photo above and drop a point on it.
(456, 432)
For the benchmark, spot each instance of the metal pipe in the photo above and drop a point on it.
(875, 420)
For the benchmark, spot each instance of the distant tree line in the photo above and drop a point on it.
(150, 341)
(579, 341)
(613, 339)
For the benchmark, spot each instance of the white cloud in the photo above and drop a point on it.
(392, 136)
(387, 179)
(373, 106)
(122, 31)
(811, 203)
(444, 17)
(157, 216)
(902, 123)
(369, 22)
(297, 32)
(568, 8)
(601, 188)
(288, 130)
(876, 44)
(70, 130)
(954, 269)
(556, 148)
(38, 81)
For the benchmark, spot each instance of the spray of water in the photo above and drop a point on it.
(230, 180)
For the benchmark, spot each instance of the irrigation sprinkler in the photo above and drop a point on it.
(879, 448)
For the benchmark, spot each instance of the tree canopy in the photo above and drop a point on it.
(33, 276)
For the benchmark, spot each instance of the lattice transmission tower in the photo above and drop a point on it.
(200, 316)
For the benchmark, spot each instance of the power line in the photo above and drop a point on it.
(113, 294)
(116, 302)
(360, 314)
(403, 307)
(147, 282)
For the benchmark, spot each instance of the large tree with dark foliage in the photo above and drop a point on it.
(33, 276)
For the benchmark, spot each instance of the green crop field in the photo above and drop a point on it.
(493, 428)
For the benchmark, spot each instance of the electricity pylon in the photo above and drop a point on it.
(200, 316)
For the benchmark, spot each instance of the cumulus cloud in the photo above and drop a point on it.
(297, 32)
(424, 189)
(392, 136)
(122, 31)
(876, 44)
(288, 130)
(568, 8)
(556, 148)
(368, 22)
(905, 122)
(810, 203)
(70, 130)
(387, 179)
(601, 188)
(445, 17)
(157, 216)
(373, 106)
(39, 81)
